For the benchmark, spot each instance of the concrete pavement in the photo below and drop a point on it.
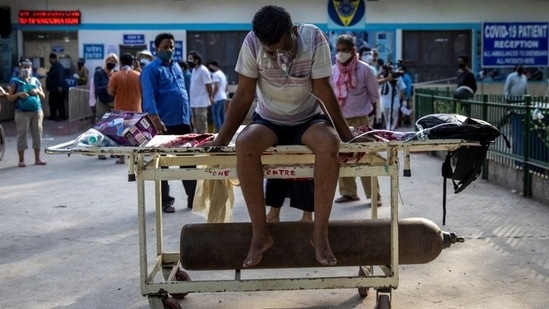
(68, 240)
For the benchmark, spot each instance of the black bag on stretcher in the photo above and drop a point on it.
(468, 160)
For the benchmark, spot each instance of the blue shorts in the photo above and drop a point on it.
(289, 135)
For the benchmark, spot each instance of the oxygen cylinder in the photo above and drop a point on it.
(223, 246)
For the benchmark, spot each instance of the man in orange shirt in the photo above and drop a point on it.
(125, 86)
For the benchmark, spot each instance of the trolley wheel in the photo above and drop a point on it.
(170, 303)
(181, 275)
(364, 290)
(383, 302)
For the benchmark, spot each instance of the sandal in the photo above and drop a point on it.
(346, 198)
(21, 164)
(40, 162)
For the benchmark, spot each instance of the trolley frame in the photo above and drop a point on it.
(279, 162)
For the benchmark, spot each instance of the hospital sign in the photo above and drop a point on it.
(506, 44)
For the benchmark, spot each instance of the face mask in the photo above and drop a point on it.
(367, 58)
(111, 66)
(165, 55)
(25, 73)
(461, 65)
(191, 64)
(343, 57)
(144, 62)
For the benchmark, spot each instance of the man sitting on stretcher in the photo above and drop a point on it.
(289, 66)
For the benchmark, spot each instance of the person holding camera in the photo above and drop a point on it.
(356, 88)
(392, 94)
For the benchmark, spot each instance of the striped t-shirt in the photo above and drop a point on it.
(286, 98)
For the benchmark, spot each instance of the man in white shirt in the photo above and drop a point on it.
(219, 98)
(516, 85)
(200, 93)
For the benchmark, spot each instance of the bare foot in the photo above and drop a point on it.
(323, 252)
(258, 245)
(273, 215)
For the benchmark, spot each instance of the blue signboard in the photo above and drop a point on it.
(177, 54)
(70, 81)
(134, 39)
(512, 43)
(94, 51)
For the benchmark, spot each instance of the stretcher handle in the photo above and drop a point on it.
(64, 148)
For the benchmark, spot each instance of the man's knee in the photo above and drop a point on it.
(325, 141)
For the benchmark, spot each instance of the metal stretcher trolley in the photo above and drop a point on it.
(353, 242)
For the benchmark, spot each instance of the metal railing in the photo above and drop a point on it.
(525, 122)
(78, 107)
(7, 111)
(78, 104)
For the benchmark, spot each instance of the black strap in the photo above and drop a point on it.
(444, 201)
(446, 172)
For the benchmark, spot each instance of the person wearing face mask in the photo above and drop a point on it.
(516, 85)
(103, 101)
(55, 81)
(466, 83)
(201, 92)
(357, 92)
(370, 56)
(165, 99)
(82, 72)
(365, 54)
(26, 91)
(143, 57)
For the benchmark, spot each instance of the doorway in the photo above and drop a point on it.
(432, 55)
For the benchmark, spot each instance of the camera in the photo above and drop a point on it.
(394, 69)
